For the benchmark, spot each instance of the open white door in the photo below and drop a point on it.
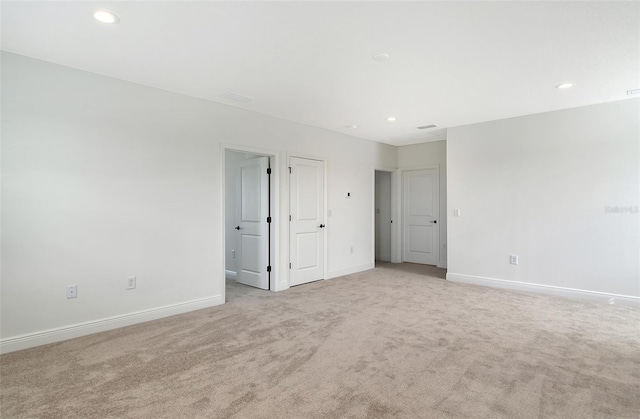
(421, 207)
(307, 226)
(252, 252)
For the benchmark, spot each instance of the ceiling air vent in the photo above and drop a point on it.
(427, 126)
(238, 97)
(633, 92)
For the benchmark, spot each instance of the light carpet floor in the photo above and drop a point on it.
(397, 341)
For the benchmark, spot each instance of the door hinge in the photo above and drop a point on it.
(289, 265)
(289, 169)
(269, 268)
(289, 217)
(268, 170)
(268, 219)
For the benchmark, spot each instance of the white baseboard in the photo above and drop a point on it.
(58, 334)
(230, 275)
(349, 271)
(602, 297)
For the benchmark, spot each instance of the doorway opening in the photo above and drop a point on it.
(383, 220)
(249, 231)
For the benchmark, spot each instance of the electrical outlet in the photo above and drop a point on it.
(513, 259)
(456, 212)
(131, 283)
(72, 291)
(233, 254)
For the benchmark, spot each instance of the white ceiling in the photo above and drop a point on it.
(452, 63)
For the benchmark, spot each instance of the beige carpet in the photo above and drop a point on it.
(398, 341)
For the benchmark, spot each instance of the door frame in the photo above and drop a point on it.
(401, 205)
(325, 266)
(396, 176)
(274, 160)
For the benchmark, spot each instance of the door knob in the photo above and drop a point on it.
(434, 222)
(322, 226)
(237, 227)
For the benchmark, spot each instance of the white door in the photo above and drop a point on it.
(252, 228)
(307, 226)
(421, 207)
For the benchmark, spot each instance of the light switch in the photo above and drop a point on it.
(456, 212)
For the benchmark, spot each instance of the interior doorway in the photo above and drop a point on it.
(248, 231)
(383, 220)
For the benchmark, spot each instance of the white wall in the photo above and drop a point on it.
(383, 215)
(430, 154)
(102, 179)
(538, 187)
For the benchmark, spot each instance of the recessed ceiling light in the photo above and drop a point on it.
(564, 85)
(105, 17)
(633, 92)
(391, 119)
(381, 57)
